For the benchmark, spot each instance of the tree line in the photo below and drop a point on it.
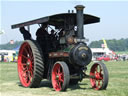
(9, 46)
(115, 45)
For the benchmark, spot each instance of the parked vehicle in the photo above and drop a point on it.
(7, 55)
(103, 58)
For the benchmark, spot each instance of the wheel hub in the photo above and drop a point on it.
(57, 77)
(28, 62)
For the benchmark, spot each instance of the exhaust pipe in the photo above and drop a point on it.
(80, 21)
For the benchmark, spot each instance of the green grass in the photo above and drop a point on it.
(121, 52)
(118, 83)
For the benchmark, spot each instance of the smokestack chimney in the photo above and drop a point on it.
(68, 11)
(72, 11)
(80, 21)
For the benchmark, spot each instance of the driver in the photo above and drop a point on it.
(43, 38)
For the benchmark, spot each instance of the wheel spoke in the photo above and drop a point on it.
(23, 66)
(56, 73)
(96, 69)
(25, 72)
(100, 73)
(32, 59)
(30, 52)
(31, 73)
(59, 83)
(25, 57)
(61, 80)
(100, 69)
(26, 51)
(98, 82)
(28, 78)
(58, 69)
(101, 76)
(102, 82)
(31, 70)
(30, 67)
(61, 77)
(98, 66)
(24, 75)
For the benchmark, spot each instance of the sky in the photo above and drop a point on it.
(113, 17)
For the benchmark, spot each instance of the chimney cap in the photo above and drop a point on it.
(79, 7)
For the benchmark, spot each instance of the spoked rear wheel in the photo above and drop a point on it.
(30, 64)
(100, 72)
(60, 76)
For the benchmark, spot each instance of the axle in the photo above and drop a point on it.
(81, 76)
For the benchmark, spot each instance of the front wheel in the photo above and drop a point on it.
(60, 76)
(100, 73)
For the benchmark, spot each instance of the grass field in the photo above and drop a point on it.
(118, 83)
(121, 52)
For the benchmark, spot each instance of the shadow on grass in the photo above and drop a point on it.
(71, 87)
(75, 87)
(48, 84)
(19, 84)
(78, 86)
(42, 84)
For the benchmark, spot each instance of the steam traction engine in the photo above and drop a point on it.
(64, 57)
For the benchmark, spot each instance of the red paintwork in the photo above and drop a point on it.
(104, 58)
(58, 54)
(115, 58)
(96, 71)
(25, 65)
(57, 77)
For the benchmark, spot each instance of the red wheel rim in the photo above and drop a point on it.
(25, 64)
(57, 77)
(97, 72)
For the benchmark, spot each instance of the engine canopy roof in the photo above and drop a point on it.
(59, 20)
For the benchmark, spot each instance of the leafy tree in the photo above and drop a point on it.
(9, 46)
(115, 45)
